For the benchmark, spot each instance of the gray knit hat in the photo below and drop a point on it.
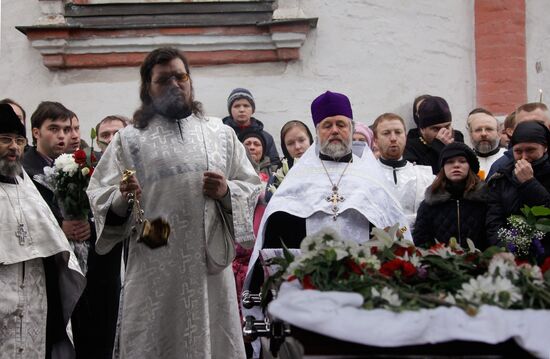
(240, 93)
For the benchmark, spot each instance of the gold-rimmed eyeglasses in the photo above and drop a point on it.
(7, 140)
(179, 77)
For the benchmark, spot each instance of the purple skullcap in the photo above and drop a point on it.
(330, 104)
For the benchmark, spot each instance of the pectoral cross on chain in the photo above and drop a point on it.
(21, 234)
(334, 198)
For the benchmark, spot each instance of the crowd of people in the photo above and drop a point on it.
(182, 206)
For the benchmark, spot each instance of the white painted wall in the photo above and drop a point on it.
(381, 53)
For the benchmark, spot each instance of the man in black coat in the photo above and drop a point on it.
(526, 181)
(55, 131)
(434, 123)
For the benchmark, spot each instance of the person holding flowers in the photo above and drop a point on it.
(41, 281)
(455, 204)
(526, 181)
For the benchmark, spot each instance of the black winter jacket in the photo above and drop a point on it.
(507, 196)
(257, 125)
(441, 216)
(420, 153)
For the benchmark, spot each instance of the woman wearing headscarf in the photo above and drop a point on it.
(296, 138)
(526, 181)
(456, 202)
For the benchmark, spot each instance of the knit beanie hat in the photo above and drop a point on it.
(238, 94)
(249, 132)
(365, 131)
(530, 131)
(9, 122)
(433, 110)
(330, 104)
(459, 149)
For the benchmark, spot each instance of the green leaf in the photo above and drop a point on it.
(540, 211)
(543, 227)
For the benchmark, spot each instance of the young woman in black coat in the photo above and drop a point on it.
(456, 203)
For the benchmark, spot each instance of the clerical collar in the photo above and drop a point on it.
(394, 163)
(6, 179)
(345, 158)
(488, 154)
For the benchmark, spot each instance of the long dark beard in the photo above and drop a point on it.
(172, 104)
(10, 169)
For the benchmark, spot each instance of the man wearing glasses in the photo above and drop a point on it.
(40, 277)
(193, 179)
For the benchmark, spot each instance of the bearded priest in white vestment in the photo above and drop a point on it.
(330, 187)
(40, 279)
(179, 298)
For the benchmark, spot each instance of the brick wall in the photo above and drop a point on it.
(500, 54)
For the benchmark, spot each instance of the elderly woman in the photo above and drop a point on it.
(456, 203)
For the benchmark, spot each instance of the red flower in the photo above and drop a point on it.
(264, 177)
(523, 261)
(91, 171)
(407, 269)
(354, 267)
(400, 251)
(373, 250)
(307, 283)
(291, 278)
(388, 268)
(437, 246)
(93, 158)
(79, 156)
(545, 265)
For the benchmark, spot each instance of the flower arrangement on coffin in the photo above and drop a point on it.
(280, 175)
(523, 235)
(68, 179)
(393, 274)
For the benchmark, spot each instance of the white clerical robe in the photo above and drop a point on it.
(305, 190)
(173, 308)
(23, 295)
(412, 181)
(485, 163)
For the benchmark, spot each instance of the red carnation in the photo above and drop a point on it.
(79, 156)
(91, 171)
(390, 267)
(373, 250)
(291, 278)
(307, 283)
(353, 266)
(400, 251)
(93, 158)
(545, 265)
(407, 268)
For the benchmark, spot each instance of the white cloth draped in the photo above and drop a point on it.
(340, 315)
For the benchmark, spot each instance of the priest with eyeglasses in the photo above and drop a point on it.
(40, 280)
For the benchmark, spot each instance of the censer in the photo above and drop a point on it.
(154, 233)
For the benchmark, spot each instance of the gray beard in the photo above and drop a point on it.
(335, 150)
(483, 147)
(172, 104)
(10, 169)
